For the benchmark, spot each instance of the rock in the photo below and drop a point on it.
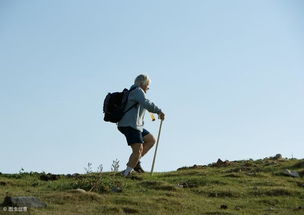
(116, 189)
(291, 173)
(80, 190)
(278, 157)
(220, 163)
(237, 208)
(23, 201)
(181, 186)
(186, 185)
(49, 177)
(224, 207)
(195, 166)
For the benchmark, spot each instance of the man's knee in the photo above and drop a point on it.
(150, 139)
(153, 140)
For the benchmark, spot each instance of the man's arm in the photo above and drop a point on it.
(139, 96)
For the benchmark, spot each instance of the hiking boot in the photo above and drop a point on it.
(123, 174)
(138, 168)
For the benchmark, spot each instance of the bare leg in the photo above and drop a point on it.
(137, 151)
(149, 142)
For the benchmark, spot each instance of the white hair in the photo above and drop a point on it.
(142, 80)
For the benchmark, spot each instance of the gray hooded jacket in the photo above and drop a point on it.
(135, 117)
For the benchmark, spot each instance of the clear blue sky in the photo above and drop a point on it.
(228, 74)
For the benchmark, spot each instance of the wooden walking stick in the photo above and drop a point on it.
(161, 122)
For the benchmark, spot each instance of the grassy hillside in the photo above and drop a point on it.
(239, 187)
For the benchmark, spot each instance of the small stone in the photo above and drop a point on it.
(23, 201)
(180, 185)
(291, 173)
(185, 185)
(116, 189)
(237, 208)
(81, 190)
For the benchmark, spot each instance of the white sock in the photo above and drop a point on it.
(127, 171)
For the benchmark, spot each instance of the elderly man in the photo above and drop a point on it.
(132, 123)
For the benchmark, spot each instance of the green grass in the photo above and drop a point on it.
(245, 187)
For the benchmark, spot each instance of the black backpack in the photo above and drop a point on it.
(114, 105)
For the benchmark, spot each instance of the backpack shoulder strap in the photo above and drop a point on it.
(133, 88)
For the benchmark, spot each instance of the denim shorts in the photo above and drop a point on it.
(132, 135)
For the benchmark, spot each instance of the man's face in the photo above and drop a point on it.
(146, 87)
